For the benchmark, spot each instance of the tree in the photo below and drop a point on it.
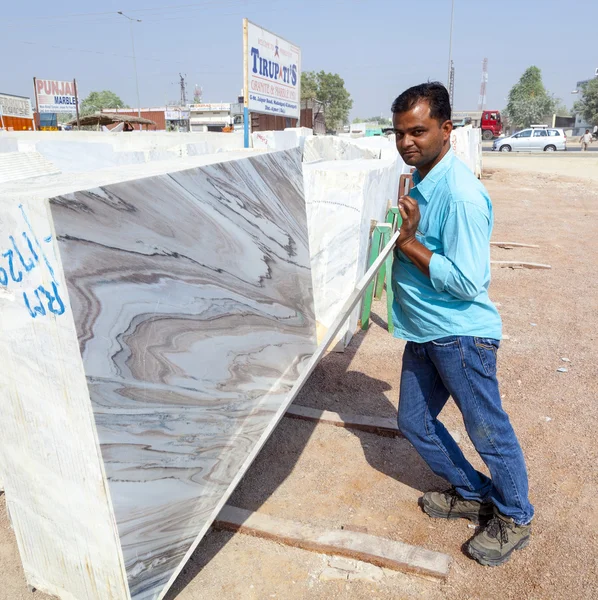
(587, 105)
(96, 101)
(560, 109)
(328, 88)
(529, 102)
(382, 121)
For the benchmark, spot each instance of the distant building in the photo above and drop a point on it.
(166, 118)
(16, 113)
(311, 116)
(215, 116)
(156, 114)
(210, 116)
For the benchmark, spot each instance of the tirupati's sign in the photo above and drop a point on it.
(55, 96)
(272, 73)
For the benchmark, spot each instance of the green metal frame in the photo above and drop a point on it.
(381, 237)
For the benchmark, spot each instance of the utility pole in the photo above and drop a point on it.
(183, 90)
(450, 59)
(451, 88)
(482, 98)
(131, 21)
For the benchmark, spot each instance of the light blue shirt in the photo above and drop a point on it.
(456, 223)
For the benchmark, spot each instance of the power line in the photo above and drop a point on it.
(98, 52)
(130, 56)
(114, 14)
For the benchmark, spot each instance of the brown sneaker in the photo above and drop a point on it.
(500, 537)
(450, 505)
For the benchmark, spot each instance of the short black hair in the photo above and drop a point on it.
(433, 92)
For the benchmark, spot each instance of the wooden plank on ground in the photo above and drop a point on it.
(361, 546)
(513, 245)
(379, 425)
(519, 264)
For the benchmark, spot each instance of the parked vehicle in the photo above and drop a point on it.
(491, 124)
(541, 139)
(489, 121)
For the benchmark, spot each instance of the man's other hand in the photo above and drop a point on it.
(409, 210)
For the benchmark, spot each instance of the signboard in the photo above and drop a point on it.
(176, 115)
(211, 107)
(272, 73)
(15, 106)
(55, 96)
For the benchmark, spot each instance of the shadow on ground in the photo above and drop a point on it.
(331, 386)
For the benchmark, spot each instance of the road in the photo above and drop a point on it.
(571, 149)
(487, 147)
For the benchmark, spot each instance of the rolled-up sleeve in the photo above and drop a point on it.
(462, 270)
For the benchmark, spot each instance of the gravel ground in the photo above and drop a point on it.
(334, 477)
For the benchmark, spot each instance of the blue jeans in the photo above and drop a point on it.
(464, 368)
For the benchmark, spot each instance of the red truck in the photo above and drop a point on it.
(491, 124)
(488, 121)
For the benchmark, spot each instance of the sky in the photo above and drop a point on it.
(378, 47)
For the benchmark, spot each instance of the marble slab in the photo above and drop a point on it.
(292, 137)
(467, 146)
(342, 197)
(15, 166)
(153, 330)
(331, 147)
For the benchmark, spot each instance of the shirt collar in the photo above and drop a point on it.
(426, 185)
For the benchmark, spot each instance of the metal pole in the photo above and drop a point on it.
(134, 59)
(77, 104)
(135, 66)
(450, 59)
(245, 86)
(36, 104)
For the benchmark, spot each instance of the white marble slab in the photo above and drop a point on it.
(467, 146)
(342, 198)
(16, 166)
(292, 137)
(331, 147)
(174, 316)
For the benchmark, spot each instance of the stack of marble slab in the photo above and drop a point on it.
(343, 197)
(384, 145)
(83, 151)
(467, 146)
(331, 147)
(153, 320)
(24, 165)
(292, 137)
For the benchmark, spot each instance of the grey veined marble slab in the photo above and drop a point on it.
(151, 330)
(343, 197)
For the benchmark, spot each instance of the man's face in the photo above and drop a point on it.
(420, 138)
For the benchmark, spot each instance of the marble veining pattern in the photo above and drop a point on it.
(192, 298)
(342, 198)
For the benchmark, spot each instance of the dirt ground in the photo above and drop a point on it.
(332, 477)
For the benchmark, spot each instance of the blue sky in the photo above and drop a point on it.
(379, 47)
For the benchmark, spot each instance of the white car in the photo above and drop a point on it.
(540, 139)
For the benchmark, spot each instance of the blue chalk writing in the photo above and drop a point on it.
(33, 252)
(25, 258)
(54, 302)
(9, 255)
(37, 310)
(28, 223)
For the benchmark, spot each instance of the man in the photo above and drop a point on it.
(440, 279)
(585, 140)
